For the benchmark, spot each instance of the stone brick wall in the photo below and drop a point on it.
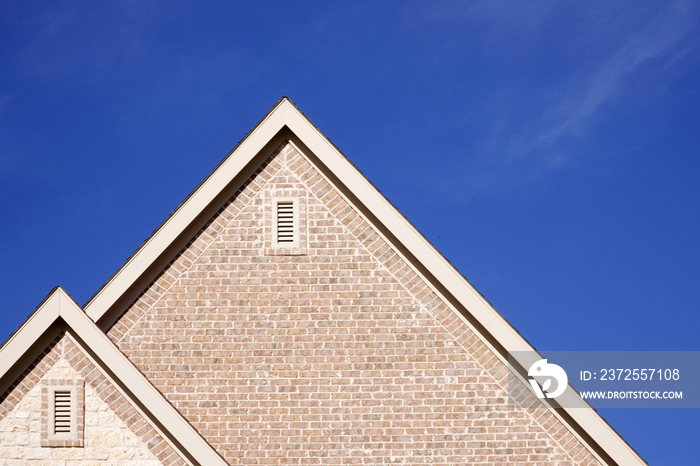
(338, 354)
(114, 433)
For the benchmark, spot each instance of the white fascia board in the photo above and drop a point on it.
(187, 212)
(446, 274)
(31, 330)
(136, 383)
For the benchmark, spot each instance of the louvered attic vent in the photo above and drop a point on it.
(62, 412)
(285, 222)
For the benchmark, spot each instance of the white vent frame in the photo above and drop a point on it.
(73, 437)
(290, 246)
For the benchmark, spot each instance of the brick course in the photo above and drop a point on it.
(339, 353)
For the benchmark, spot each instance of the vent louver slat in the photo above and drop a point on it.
(62, 412)
(285, 222)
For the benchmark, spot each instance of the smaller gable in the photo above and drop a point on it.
(105, 437)
(125, 418)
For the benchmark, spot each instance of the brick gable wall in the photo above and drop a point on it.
(341, 354)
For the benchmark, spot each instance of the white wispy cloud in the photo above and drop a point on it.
(658, 40)
(532, 136)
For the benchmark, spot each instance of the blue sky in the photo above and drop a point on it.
(548, 149)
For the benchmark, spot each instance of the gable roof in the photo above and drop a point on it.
(58, 312)
(286, 122)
